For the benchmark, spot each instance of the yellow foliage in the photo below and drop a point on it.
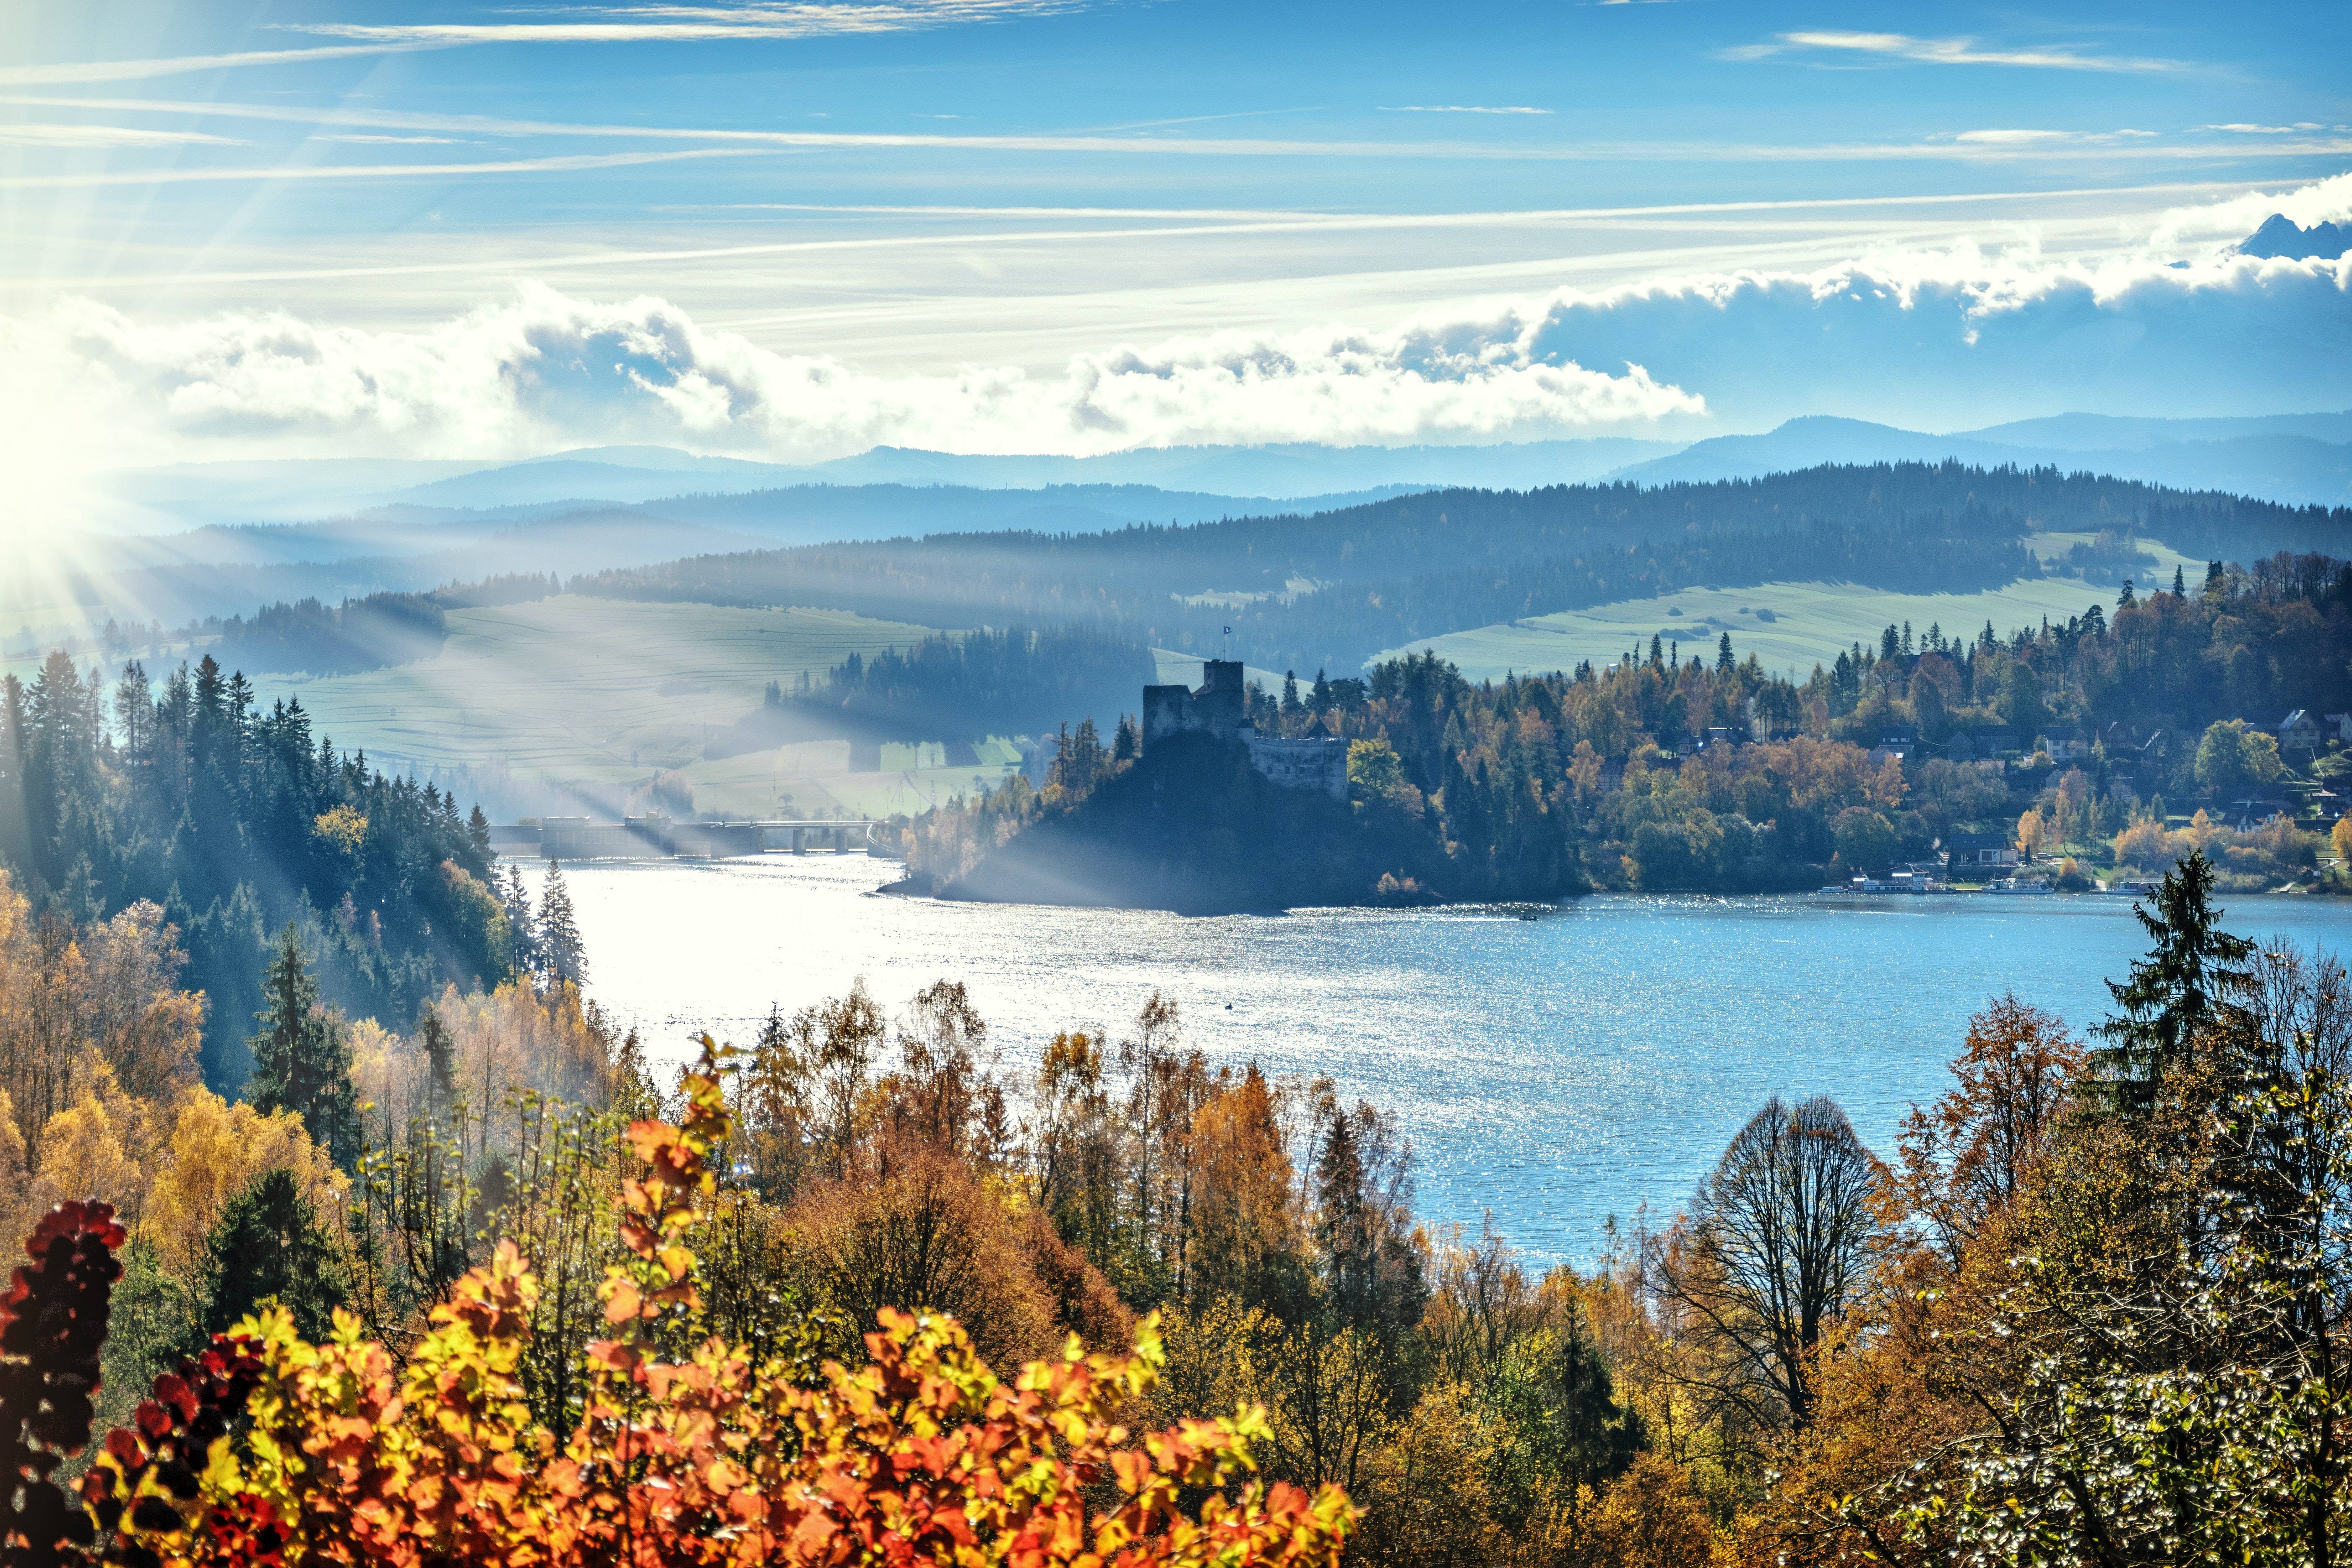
(341, 830)
(103, 997)
(85, 1148)
(215, 1151)
(1650, 1518)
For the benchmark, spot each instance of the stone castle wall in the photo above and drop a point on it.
(1320, 764)
(1220, 708)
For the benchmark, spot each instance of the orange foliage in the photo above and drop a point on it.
(687, 1452)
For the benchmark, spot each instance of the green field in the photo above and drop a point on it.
(1811, 621)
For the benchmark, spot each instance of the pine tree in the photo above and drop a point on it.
(1723, 660)
(1125, 744)
(2179, 590)
(2179, 991)
(563, 955)
(522, 926)
(301, 1061)
(269, 1244)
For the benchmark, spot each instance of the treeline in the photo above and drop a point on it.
(236, 819)
(962, 686)
(308, 638)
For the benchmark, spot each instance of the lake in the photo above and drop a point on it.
(1554, 1071)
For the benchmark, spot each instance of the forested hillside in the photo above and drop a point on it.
(1332, 589)
(953, 688)
(237, 820)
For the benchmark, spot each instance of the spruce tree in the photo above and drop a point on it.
(2179, 991)
(563, 955)
(268, 1245)
(522, 926)
(301, 1061)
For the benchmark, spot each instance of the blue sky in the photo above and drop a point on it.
(797, 229)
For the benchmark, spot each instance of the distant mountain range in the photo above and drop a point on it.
(1226, 479)
(2293, 458)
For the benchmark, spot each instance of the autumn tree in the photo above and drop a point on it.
(1771, 1252)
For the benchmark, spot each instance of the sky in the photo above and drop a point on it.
(796, 228)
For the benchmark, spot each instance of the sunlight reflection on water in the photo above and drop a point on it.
(1556, 1070)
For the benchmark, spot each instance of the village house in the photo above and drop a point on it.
(2297, 732)
(1977, 851)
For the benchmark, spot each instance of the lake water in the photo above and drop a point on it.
(1555, 1071)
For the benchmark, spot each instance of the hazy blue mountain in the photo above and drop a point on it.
(2274, 465)
(2292, 457)
(301, 491)
(1280, 472)
(283, 490)
(2281, 237)
(572, 478)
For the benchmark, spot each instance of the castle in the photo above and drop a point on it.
(1222, 708)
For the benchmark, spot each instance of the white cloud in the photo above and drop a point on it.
(375, 140)
(650, 24)
(2227, 221)
(2026, 137)
(1943, 52)
(1460, 109)
(660, 24)
(2118, 144)
(548, 370)
(311, 172)
(68, 135)
(65, 72)
(1951, 339)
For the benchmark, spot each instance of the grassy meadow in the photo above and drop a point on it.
(1811, 621)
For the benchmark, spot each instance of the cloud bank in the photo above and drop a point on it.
(1936, 340)
(548, 370)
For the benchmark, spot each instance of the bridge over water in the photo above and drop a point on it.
(659, 837)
